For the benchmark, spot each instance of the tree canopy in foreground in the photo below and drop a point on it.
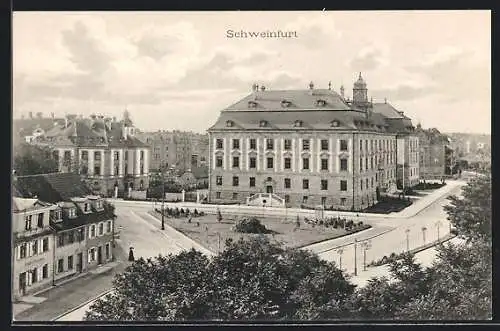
(259, 280)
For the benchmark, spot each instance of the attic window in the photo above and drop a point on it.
(72, 212)
(229, 123)
(335, 123)
(252, 104)
(285, 103)
(298, 123)
(263, 123)
(321, 103)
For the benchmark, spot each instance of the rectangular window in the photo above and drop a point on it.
(305, 163)
(236, 144)
(324, 164)
(97, 169)
(218, 161)
(22, 251)
(107, 251)
(269, 144)
(270, 163)
(288, 183)
(60, 240)
(305, 144)
(253, 143)
(366, 163)
(92, 255)
(217, 195)
(85, 155)
(324, 144)
(45, 271)
(236, 161)
(372, 182)
(343, 201)
(287, 198)
(40, 220)
(343, 145)
(92, 231)
(323, 201)
(71, 237)
(252, 182)
(361, 145)
(70, 262)
(288, 163)
(45, 245)
(219, 143)
(324, 184)
(60, 265)
(86, 207)
(343, 164)
(305, 184)
(108, 226)
(235, 196)
(97, 156)
(116, 156)
(304, 199)
(366, 144)
(361, 185)
(101, 229)
(34, 275)
(27, 224)
(218, 180)
(343, 185)
(371, 162)
(81, 234)
(288, 144)
(236, 181)
(34, 247)
(360, 164)
(253, 163)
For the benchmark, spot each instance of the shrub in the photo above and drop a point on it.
(251, 225)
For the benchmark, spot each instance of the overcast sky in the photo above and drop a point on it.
(177, 70)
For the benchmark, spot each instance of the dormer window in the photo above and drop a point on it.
(335, 123)
(263, 123)
(98, 204)
(86, 207)
(229, 123)
(72, 212)
(285, 103)
(320, 103)
(298, 123)
(252, 104)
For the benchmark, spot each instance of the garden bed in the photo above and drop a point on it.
(207, 231)
(388, 205)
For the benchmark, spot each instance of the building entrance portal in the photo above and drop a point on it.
(269, 189)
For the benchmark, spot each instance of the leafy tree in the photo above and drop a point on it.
(249, 280)
(33, 160)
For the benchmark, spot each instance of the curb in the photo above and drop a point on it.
(80, 305)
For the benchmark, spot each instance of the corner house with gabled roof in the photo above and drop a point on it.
(101, 149)
(82, 223)
(305, 147)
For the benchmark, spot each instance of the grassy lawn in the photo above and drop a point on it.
(207, 232)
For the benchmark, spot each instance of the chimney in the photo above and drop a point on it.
(311, 85)
(52, 115)
(385, 100)
(255, 87)
(262, 88)
(31, 115)
(342, 91)
(330, 85)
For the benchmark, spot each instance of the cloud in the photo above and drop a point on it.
(313, 31)
(367, 60)
(405, 92)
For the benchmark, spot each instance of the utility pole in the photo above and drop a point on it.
(423, 233)
(340, 251)
(218, 242)
(366, 246)
(438, 224)
(355, 257)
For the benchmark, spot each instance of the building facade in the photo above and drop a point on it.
(178, 149)
(33, 252)
(434, 153)
(81, 225)
(104, 151)
(303, 147)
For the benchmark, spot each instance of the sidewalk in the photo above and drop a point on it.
(48, 304)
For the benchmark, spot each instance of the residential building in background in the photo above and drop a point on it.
(79, 225)
(102, 150)
(176, 149)
(308, 147)
(435, 153)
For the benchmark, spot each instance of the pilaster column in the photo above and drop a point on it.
(112, 163)
(120, 162)
(137, 162)
(102, 162)
(91, 161)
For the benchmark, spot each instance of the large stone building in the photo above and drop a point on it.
(178, 149)
(435, 153)
(103, 150)
(307, 147)
(60, 230)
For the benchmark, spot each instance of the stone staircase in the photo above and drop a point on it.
(266, 200)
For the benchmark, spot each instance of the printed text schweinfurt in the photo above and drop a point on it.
(261, 34)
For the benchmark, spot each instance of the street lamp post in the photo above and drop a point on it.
(423, 233)
(407, 240)
(218, 242)
(340, 251)
(366, 246)
(355, 257)
(438, 224)
(162, 200)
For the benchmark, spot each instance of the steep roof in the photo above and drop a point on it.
(27, 204)
(298, 99)
(26, 126)
(387, 110)
(51, 188)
